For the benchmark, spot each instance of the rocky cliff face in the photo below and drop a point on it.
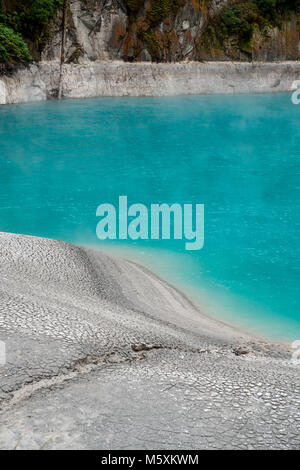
(163, 31)
(130, 30)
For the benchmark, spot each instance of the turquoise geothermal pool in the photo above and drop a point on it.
(237, 155)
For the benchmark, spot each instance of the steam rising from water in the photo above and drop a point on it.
(237, 155)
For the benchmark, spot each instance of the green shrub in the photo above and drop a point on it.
(39, 15)
(160, 8)
(239, 22)
(241, 17)
(231, 20)
(134, 5)
(12, 47)
(30, 17)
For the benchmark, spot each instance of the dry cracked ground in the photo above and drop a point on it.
(102, 354)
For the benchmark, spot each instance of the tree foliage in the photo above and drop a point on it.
(13, 48)
(240, 17)
(29, 19)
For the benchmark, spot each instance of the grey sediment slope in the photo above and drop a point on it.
(39, 82)
(101, 353)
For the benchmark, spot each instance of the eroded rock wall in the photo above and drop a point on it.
(116, 78)
(161, 31)
(130, 30)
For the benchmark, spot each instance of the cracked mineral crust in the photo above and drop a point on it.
(103, 354)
